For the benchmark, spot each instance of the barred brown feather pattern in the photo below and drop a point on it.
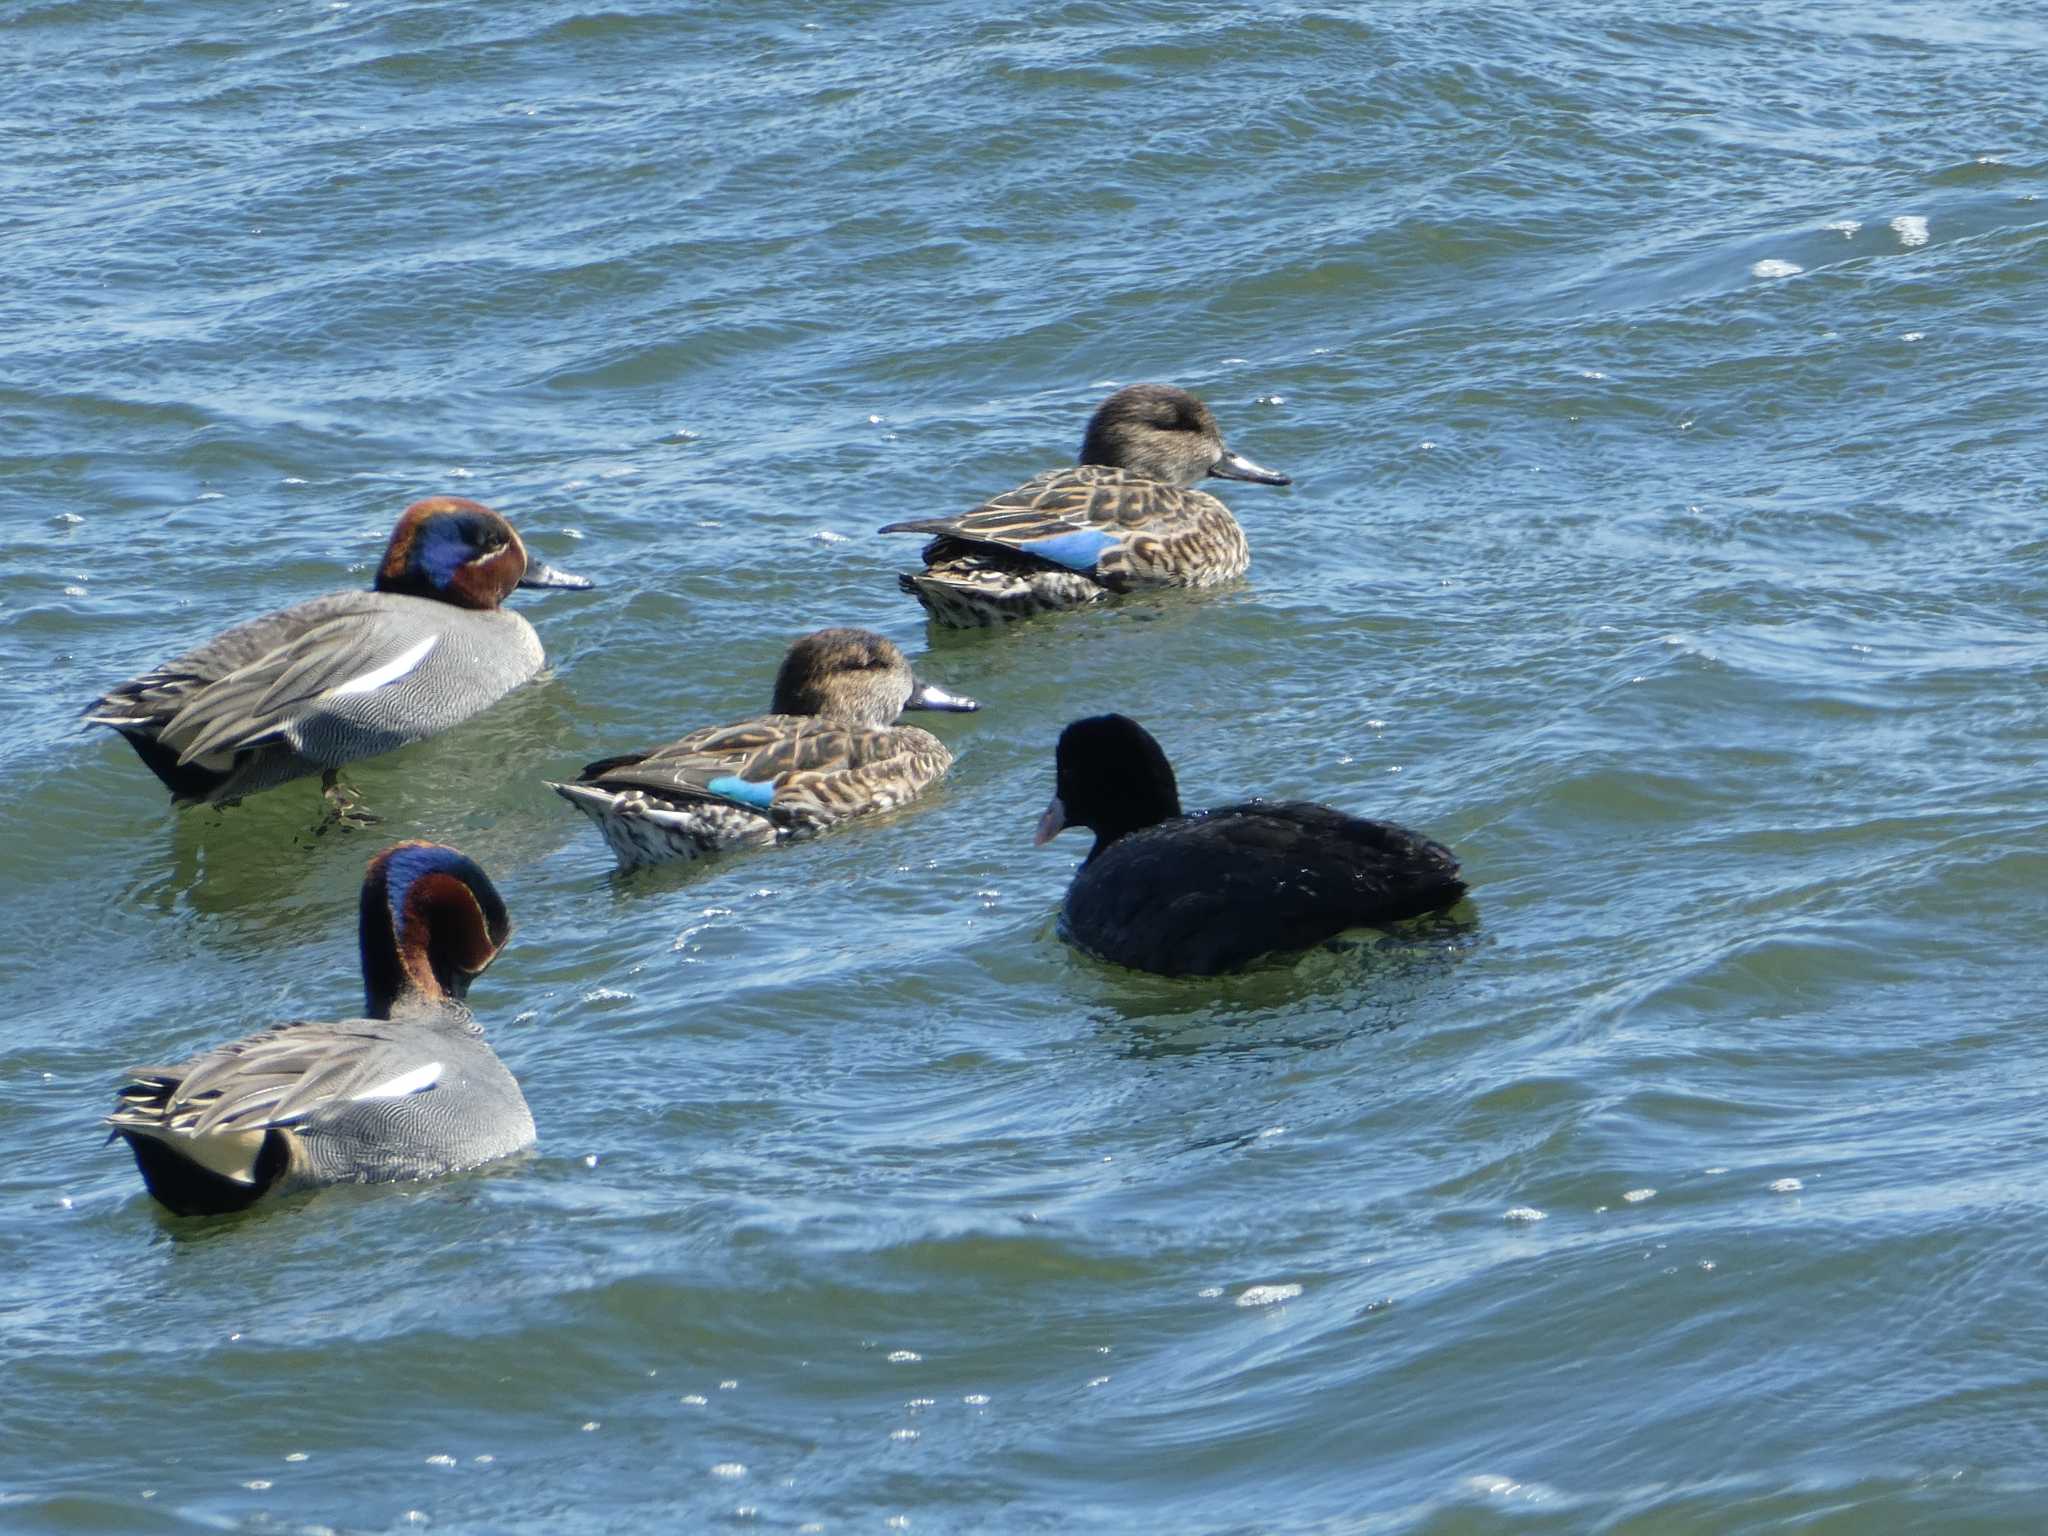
(980, 569)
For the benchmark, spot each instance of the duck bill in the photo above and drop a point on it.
(540, 574)
(931, 696)
(1051, 824)
(1235, 466)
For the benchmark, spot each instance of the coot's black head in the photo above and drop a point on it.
(1113, 778)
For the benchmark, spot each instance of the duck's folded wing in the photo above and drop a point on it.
(271, 697)
(1069, 518)
(274, 1078)
(149, 702)
(877, 769)
(747, 764)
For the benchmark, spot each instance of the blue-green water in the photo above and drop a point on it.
(1663, 392)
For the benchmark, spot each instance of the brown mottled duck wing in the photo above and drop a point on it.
(790, 767)
(1119, 528)
(763, 751)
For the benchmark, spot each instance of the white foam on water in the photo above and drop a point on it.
(1914, 336)
(827, 536)
(1492, 1485)
(572, 533)
(74, 592)
(257, 1484)
(1208, 1292)
(1786, 1186)
(459, 473)
(1098, 1381)
(1844, 227)
(1267, 1295)
(294, 1455)
(728, 1385)
(693, 1400)
(1771, 266)
(976, 1399)
(731, 1471)
(1638, 1196)
(904, 1434)
(904, 1357)
(1911, 228)
(1524, 1213)
(592, 1426)
(1707, 1264)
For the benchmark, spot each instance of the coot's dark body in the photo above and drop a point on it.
(1212, 892)
(1203, 894)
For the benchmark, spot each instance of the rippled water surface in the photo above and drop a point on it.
(1663, 388)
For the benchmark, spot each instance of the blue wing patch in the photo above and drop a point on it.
(733, 787)
(1077, 551)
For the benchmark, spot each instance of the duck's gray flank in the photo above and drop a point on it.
(409, 1090)
(345, 676)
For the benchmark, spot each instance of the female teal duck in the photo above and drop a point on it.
(1122, 520)
(408, 1091)
(348, 675)
(827, 751)
(1211, 892)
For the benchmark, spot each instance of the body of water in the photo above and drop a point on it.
(1663, 392)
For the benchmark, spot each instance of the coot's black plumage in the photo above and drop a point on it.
(1203, 894)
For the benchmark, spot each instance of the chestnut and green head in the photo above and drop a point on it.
(1165, 434)
(1112, 778)
(459, 551)
(857, 676)
(430, 921)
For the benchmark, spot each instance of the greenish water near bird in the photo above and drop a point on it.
(1662, 395)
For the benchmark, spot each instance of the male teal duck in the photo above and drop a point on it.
(1201, 894)
(1122, 520)
(345, 676)
(826, 752)
(408, 1091)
